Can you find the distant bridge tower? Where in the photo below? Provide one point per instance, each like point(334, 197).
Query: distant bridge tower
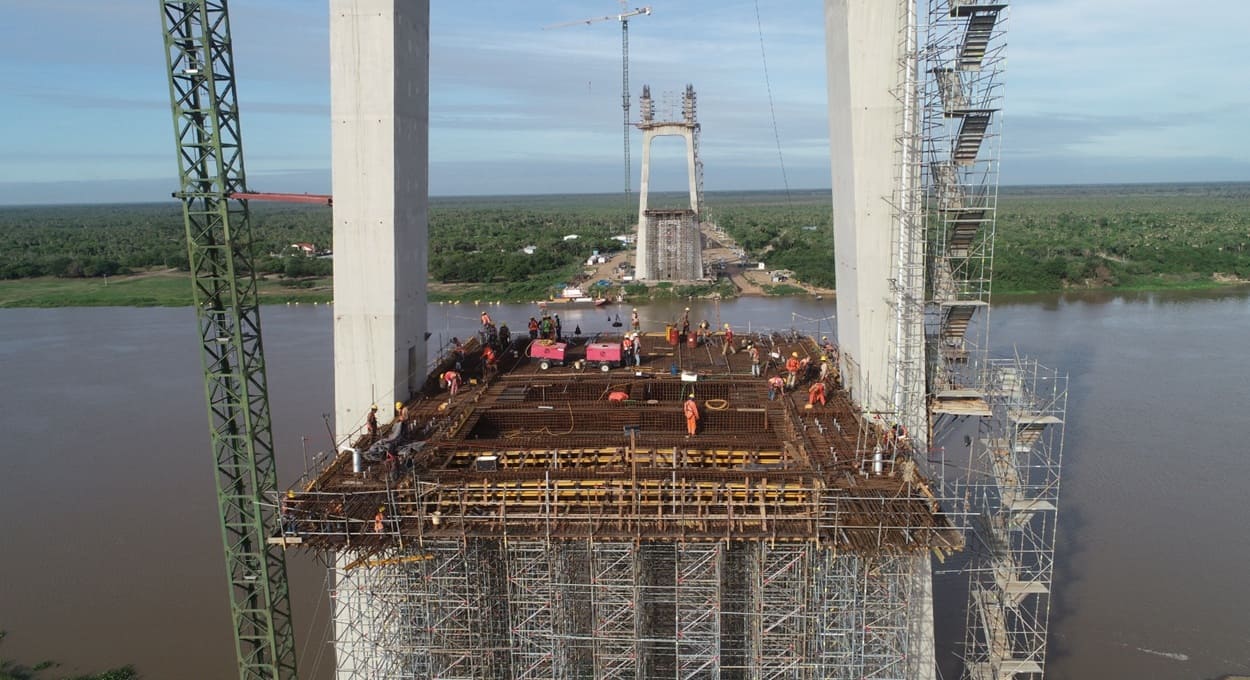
point(669, 243)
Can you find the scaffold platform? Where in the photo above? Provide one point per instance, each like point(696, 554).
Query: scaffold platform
point(526, 453)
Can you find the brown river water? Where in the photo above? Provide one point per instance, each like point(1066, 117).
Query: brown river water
point(110, 551)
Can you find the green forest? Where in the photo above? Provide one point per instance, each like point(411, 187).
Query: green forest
point(1048, 239)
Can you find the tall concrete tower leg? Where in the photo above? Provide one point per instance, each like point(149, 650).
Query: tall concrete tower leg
point(865, 115)
point(379, 92)
point(379, 107)
point(642, 264)
point(690, 170)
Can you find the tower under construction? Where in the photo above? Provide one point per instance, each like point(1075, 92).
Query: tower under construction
point(670, 243)
point(548, 519)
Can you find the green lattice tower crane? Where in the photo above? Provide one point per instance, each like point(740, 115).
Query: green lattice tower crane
point(200, 64)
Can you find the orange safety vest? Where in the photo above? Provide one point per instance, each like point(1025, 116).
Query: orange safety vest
point(792, 365)
point(626, 344)
point(692, 410)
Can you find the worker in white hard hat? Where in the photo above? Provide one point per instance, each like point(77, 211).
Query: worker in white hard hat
point(634, 322)
point(371, 422)
point(728, 347)
point(792, 370)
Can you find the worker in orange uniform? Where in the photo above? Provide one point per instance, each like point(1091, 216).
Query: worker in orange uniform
point(378, 519)
point(371, 421)
point(452, 380)
point(627, 350)
point(692, 415)
point(754, 353)
point(729, 342)
point(490, 359)
point(816, 393)
point(792, 370)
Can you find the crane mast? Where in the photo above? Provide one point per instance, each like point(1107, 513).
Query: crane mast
point(623, 17)
point(200, 65)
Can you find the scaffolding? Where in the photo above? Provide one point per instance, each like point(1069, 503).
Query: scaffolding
point(1015, 406)
point(1015, 486)
point(674, 244)
point(589, 609)
point(964, 55)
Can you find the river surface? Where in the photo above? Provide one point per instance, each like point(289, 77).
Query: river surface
point(110, 551)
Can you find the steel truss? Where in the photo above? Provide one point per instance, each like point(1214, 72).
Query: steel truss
point(200, 66)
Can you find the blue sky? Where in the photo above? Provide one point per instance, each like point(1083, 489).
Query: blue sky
point(1105, 91)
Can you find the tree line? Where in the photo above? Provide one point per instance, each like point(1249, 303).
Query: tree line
point(1047, 238)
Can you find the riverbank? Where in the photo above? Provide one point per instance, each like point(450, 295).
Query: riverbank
point(172, 288)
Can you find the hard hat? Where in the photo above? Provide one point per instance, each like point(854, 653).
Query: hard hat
point(824, 358)
point(635, 309)
point(794, 354)
point(399, 405)
point(824, 337)
point(373, 408)
point(726, 325)
point(290, 494)
point(687, 309)
point(690, 396)
point(381, 508)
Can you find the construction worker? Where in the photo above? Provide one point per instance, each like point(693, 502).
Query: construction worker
point(775, 386)
point(452, 380)
point(824, 368)
point(371, 421)
point(691, 410)
point(685, 324)
point(287, 510)
point(635, 323)
point(728, 348)
point(754, 353)
point(627, 350)
point(792, 370)
point(704, 326)
point(505, 336)
point(457, 352)
point(545, 328)
point(816, 393)
point(533, 328)
point(555, 326)
point(637, 349)
point(489, 361)
point(378, 518)
point(486, 321)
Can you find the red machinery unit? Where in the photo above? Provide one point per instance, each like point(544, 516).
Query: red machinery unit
point(548, 353)
point(606, 354)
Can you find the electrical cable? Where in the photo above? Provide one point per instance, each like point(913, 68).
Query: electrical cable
point(772, 111)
